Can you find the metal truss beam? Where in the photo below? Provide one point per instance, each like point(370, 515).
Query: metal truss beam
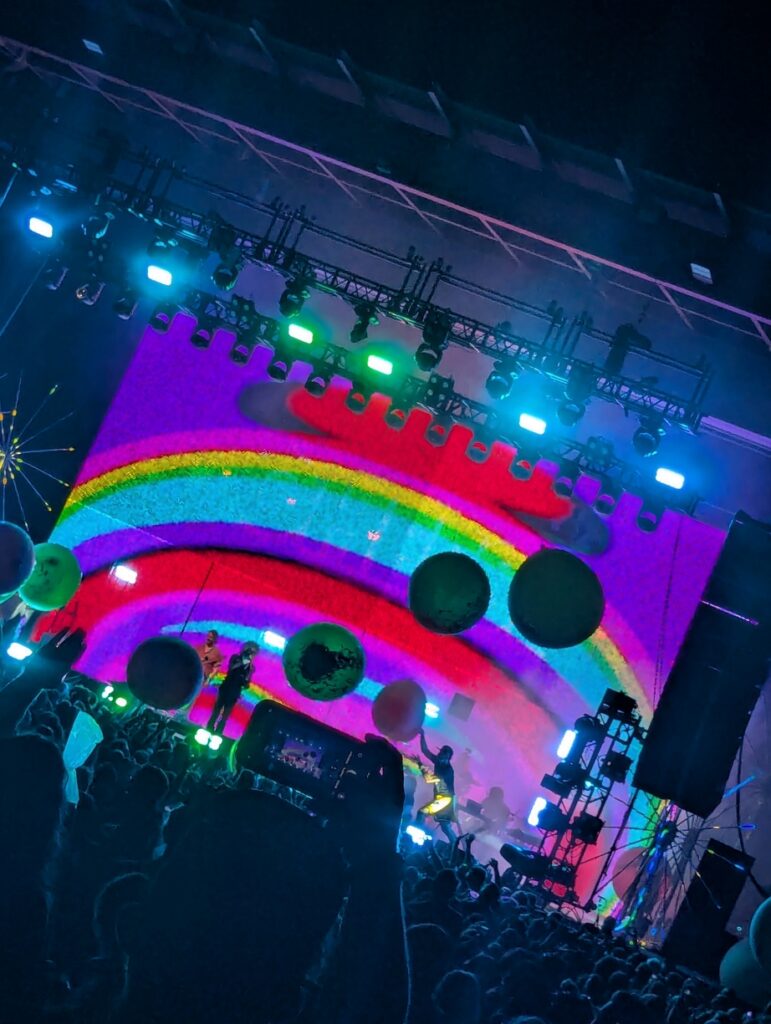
point(351, 179)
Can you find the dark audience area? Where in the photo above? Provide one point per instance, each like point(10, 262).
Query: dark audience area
point(177, 890)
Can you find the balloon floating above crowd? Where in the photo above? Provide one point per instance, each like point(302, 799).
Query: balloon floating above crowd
point(164, 672)
point(323, 661)
point(449, 593)
point(741, 972)
point(760, 935)
point(555, 599)
point(17, 558)
point(54, 579)
point(399, 709)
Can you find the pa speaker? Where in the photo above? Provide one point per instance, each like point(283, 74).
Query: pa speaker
point(716, 679)
point(697, 936)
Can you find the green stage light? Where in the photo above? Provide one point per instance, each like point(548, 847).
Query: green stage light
point(121, 702)
point(380, 365)
point(202, 736)
point(300, 333)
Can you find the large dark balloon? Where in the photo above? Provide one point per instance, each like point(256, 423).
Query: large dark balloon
point(399, 709)
point(555, 599)
point(742, 973)
point(164, 672)
point(54, 579)
point(449, 592)
point(324, 661)
point(17, 558)
point(760, 935)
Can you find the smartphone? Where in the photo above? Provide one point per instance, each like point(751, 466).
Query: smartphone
point(325, 765)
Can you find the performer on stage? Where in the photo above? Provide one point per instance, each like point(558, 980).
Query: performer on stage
point(210, 655)
point(442, 807)
point(235, 682)
point(495, 812)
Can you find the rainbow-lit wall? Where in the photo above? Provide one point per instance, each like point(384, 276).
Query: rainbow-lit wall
point(249, 505)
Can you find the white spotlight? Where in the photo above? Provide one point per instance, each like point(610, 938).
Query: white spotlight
point(566, 744)
point(18, 651)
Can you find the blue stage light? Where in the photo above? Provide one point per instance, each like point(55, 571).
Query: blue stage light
point(160, 275)
point(670, 478)
point(39, 226)
point(532, 423)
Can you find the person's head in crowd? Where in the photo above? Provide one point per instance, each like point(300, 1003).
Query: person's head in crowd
point(212, 637)
point(445, 885)
point(111, 903)
point(239, 909)
point(445, 754)
point(457, 999)
point(32, 778)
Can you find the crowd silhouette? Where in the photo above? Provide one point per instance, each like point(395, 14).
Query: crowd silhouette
point(177, 890)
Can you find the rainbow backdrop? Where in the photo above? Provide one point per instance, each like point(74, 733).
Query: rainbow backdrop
point(254, 506)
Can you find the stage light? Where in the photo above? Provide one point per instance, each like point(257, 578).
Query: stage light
point(522, 465)
point(607, 497)
point(417, 835)
point(121, 702)
point(580, 383)
point(615, 766)
point(124, 573)
point(701, 274)
point(647, 437)
point(648, 518)
point(569, 413)
point(535, 811)
point(293, 298)
point(318, 382)
point(566, 479)
point(366, 317)
point(98, 224)
point(432, 348)
point(107, 691)
point(587, 827)
point(432, 710)
point(532, 423)
point(41, 227)
point(126, 304)
point(599, 454)
point(619, 706)
point(300, 333)
point(89, 292)
point(204, 332)
point(202, 736)
point(565, 778)
point(396, 416)
point(439, 429)
point(242, 349)
point(500, 381)
point(225, 274)
point(670, 478)
point(162, 316)
point(358, 398)
point(18, 651)
point(566, 743)
point(625, 337)
point(547, 816)
point(160, 275)
point(93, 47)
point(380, 365)
point(273, 641)
point(54, 275)
point(215, 742)
point(279, 366)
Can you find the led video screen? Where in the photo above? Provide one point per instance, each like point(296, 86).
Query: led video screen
point(255, 508)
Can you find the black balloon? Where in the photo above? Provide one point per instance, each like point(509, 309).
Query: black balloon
point(164, 672)
point(449, 592)
point(555, 599)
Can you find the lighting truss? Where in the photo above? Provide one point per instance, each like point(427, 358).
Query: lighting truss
point(566, 850)
point(437, 395)
point(411, 301)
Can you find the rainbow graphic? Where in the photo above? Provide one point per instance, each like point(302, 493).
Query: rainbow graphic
point(254, 506)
